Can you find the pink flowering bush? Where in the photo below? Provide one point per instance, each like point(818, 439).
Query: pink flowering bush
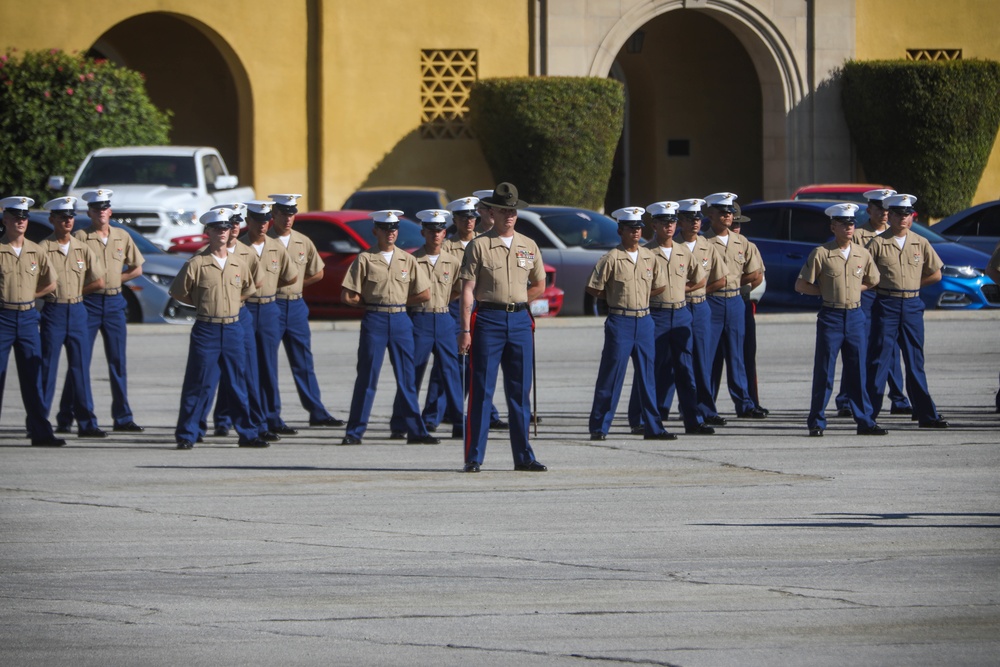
point(56, 107)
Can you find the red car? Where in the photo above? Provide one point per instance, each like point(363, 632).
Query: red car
point(854, 192)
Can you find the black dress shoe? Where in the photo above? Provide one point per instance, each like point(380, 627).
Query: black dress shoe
point(185, 444)
point(458, 433)
point(901, 411)
point(846, 413)
point(50, 441)
point(535, 419)
point(637, 430)
point(329, 422)
point(598, 436)
point(934, 423)
point(815, 432)
point(534, 466)
point(498, 424)
point(423, 440)
point(130, 427)
point(472, 466)
point(659, 436)
point(200, 439)
point(874, 430)
point(285, 429)
point(752, 413)
point(254, 442)
point(270, 436)
point(716, 420)
point(64, 429)
point(430, 427)
point(91, 433)
point(221, 432)
point(763, 409)
point(397, 435)
point(700, 429)
point(350, 440)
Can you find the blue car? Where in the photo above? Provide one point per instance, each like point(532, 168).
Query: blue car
point(786, 231)
point(978, 226)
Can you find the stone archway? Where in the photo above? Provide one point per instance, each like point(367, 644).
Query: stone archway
point(193, 72)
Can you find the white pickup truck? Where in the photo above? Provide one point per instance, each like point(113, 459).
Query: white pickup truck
point(158, 190)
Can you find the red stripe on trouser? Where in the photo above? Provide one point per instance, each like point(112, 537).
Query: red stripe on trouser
point(471, 374)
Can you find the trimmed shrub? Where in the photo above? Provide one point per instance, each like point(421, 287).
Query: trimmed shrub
point(56, 107)
point(552, 137)
point(924, 127)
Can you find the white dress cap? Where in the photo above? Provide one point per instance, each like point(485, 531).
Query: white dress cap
point(98, 196)
point(217, 217)
point(60, 204)
point(879, 194)
point(721, 199)
point(690, 205)
point(238, 208)
point(18, 202)
point(845, 210)
point(386, 217)
point(465, 205)
point(482, 194)
point(629, 214)
point(259, 206)
point(285, 200)
point(663, 208)
point(434, 216)
point(899, 201)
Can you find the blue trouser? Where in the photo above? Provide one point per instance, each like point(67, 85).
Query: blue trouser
point(899, 321)
point(293, 323)
point(749, 357)
point(19, 329)
point(626, 338)
point(673, 359)
point(703, 353)
point(267, 335)
point(105, 313)
point(896, 396)
point(729, 323)
point(437, 333)
point(65, 325)
point(500, 340)
point(436, 403)
point(840, 332)
point(378, 332)
point(225, 407)
point(213, 349)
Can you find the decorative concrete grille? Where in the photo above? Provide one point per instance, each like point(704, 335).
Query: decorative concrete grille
point(934, 54)
point(446, 77)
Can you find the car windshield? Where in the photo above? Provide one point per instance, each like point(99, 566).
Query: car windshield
point(581, 228)
point(856, 197)
point(144, 245)
point(409, 233)
point(175, 171)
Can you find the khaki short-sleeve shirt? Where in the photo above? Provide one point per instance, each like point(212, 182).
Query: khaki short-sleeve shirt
point(903, 268)
point(864, 234)
point(502, 275)
point(215, 292)
point(709, 259)
point(80, 267)
point(454, 247)
point(273, 265)
point(120, 251)
point(22, 276)
point(839, 280)
point(304, 257)
point(382, 283)
point(627, 284)
point(741, 257)
point(680, 269)
point(442, 277)
point(249, 258)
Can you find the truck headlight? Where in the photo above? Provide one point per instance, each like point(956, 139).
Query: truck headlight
point(182, 217)
point(960, 272)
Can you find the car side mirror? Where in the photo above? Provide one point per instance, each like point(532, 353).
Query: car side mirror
point(344, 247)
point(226, 182)
point(57, 183)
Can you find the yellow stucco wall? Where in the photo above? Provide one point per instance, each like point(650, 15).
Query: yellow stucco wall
point(887, 28)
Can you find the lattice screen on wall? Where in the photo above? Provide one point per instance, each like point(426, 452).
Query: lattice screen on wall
point(934, 54)
point(446, 77)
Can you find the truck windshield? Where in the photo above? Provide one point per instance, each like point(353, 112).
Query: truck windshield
point(175, 171)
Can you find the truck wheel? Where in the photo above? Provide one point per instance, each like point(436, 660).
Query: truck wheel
point(133, 311)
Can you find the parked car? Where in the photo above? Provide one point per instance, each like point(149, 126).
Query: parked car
point(147, 296)
point(786, 231)
point(978, 227)
point(840, 191)
point(193, 242)
point(407, 199)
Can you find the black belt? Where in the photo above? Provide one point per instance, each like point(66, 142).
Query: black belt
point(509, 307)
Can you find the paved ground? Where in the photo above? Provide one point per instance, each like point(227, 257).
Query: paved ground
point(758, 546)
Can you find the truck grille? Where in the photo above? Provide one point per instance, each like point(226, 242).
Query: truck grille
point(144, 223)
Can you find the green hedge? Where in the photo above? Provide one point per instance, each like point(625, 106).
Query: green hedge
point(56, 107)
point(924, 127)
point(552, 137)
